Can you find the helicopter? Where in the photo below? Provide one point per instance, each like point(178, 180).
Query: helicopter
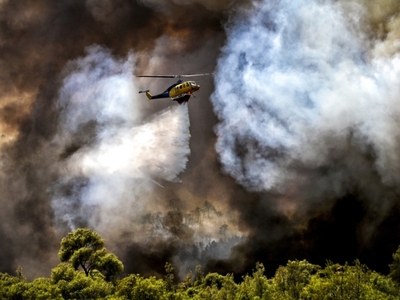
point(180, 91)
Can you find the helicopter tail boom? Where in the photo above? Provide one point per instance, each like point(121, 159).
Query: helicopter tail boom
point(150, 96)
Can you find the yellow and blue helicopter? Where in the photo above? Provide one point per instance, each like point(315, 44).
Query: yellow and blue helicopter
point(180, 91)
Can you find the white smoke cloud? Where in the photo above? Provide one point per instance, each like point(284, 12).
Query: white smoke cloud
point(120, 157)
point(295, 88)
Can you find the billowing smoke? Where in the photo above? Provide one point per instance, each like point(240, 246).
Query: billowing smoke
point(309, 109)
point(308, 78)
point(305, 126)
point(112, 159)
point(80, 147)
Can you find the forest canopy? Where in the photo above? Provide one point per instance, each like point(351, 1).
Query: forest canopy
point(88, 271)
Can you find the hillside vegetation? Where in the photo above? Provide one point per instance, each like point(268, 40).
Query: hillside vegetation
point(88, 271)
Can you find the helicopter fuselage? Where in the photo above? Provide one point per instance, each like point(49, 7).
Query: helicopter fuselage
point(181, 91)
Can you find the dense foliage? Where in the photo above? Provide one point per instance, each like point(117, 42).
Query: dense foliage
point(87, 271)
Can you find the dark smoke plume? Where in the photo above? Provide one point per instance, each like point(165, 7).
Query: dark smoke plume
point(69, 101)
point(305, 108)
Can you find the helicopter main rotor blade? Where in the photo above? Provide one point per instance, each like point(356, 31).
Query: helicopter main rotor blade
point(196, 75)
point(175, 76)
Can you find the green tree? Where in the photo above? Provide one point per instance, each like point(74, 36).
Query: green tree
point(136, 287)
point(42, 289)
point(349, 283)
point(85, 248)
point(74, 284)
point(169, 278)
point(63, 272)
point(187, 282)
point(382, 287)
point(395, 266)
point(199, 276)
point(337, 282)
point(11, 287)
point(125, 286)
point(291, 279)
point(256, 286)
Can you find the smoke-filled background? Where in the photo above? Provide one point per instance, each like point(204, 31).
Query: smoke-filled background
point(291, 150)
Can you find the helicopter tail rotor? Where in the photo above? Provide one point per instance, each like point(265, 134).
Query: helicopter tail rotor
point(150, 96)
